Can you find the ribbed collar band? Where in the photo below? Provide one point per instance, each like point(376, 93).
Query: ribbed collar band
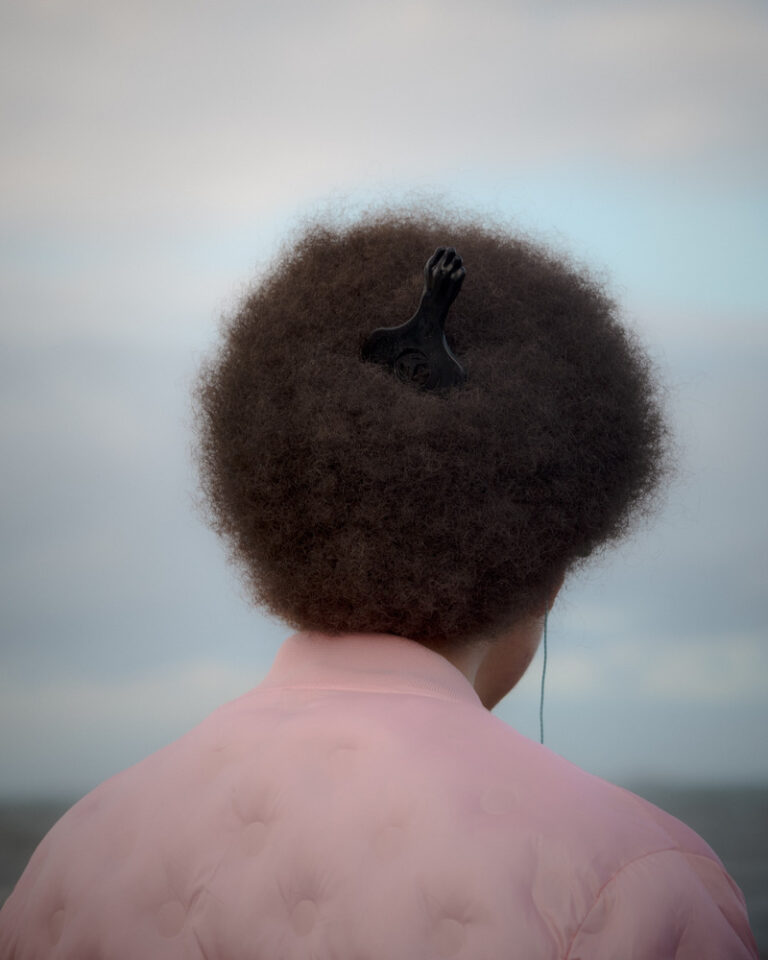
point(375, 662)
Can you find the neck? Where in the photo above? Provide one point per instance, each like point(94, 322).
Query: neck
point(495, 667)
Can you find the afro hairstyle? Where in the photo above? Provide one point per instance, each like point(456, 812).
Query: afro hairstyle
point(353, 502)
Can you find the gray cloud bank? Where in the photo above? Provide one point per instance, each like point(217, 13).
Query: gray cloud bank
point(153, 152)
point(142, 112)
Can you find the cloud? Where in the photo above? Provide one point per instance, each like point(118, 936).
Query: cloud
point(574, 676)
point(59, 734)
point(162, 113)
point(711, 671)
point(722, 670)
point(153, 150)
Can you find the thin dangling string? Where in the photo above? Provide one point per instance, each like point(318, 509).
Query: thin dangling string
point(543, 674)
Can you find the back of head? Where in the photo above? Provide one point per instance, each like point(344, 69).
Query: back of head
point(355, 502)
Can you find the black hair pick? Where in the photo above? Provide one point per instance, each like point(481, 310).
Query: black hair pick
point(417, 351)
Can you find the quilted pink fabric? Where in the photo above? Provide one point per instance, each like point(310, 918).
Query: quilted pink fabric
point(362, 804)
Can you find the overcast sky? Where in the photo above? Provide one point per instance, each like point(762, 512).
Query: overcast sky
point(153, 157)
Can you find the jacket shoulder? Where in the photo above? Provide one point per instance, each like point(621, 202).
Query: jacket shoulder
point(668, 903)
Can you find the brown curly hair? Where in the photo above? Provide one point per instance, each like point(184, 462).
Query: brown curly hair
point(355, 502)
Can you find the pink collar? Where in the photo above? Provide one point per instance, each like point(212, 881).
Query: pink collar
point(374, 662)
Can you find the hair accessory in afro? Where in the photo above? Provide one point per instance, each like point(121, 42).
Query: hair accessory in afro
point(417, 351)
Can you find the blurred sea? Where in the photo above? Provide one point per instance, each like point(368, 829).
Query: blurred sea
point(733, 821)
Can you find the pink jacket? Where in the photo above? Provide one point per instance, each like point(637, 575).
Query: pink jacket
point(362, 804)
